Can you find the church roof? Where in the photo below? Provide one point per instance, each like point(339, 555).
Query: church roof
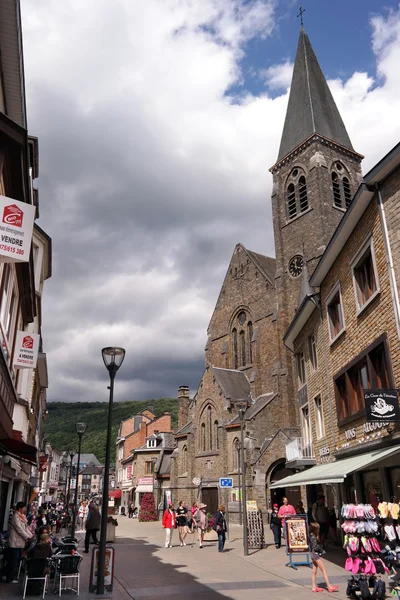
point(266, 264)
point(311, 108)
point(254, 409)
point(185, 429)
point(234, 384)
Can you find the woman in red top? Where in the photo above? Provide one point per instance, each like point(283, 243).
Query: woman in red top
point(169, 524)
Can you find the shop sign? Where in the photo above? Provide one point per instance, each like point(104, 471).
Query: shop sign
point(26, 350)
point(381, 405)
point(296, 534)
point(16, 226)
point(144, 481)
point(350, 434)
point(129, 472)
point(324, 451)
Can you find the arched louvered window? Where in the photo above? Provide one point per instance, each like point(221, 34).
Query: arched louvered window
point(303, 194)
point(203, 437)
point(235, 349)
point(216, 435)
point(291, 201)
point(347, 191)
point(243, 349)
point(250, 337)
point(336, 190)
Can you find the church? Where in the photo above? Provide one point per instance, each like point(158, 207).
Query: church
point(316, 173)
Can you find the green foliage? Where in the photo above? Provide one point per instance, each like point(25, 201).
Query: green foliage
point(147, 510)
point(60, 426)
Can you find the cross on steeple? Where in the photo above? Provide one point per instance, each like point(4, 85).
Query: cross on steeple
point(301, 11)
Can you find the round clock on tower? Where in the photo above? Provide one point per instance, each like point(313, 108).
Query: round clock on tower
point(296, 265)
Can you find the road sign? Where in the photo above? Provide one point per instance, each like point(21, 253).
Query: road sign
point(226, 482)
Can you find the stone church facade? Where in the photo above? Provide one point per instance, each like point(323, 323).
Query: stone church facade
point(315, 176)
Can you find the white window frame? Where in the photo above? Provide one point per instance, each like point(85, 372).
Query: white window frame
point(306, 424)
point(319, 418)
point(314, 364)
point(151, 443)
point(300, 383)
point(335, 290)
point(368, 245)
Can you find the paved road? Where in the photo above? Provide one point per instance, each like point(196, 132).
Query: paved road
point(145, 570)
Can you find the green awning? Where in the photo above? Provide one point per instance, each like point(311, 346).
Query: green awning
point(335, 472)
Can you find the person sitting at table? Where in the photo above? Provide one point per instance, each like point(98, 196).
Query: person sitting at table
point(43, 548)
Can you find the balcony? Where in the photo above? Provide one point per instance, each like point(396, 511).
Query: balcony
point(299, 453)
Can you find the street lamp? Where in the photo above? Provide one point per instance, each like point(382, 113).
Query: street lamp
point(80, 429)
point(71, 455)
point(113, 359)
point(241, 406)
point(237, 444)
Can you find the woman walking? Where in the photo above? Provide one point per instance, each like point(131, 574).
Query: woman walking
point(18, 535)
point(318, 563)
point(169, 524)
point(181, 517)
point(220, 527)
point(201, 522)
point(276, 526)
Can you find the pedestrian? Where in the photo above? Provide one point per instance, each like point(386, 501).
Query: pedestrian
point(181, 517)
point(18, 535)
point(285, 510)
point(92, 525)
point(130, 511)
point(169, 524)
point(201, 522)
point(316, 557)
point(41, 521)
point(220, 527)
point(42, 549)
point(276, 526)
point(82, 514)
point(320, 514)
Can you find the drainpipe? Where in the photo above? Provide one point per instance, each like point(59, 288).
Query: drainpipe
point(389, 261)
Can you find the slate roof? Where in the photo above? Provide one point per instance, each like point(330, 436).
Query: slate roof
point(165, 467)
point(234, 384)
point(311, 108)
point(185, 429)
point(91, 470)
point(259, 404)
point(266, 264)
point(86, 459)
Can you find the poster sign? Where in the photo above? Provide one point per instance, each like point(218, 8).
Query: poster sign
point(16, 226)
point(251, 505)
point(108, 569)
point(296, 530)
point(26, 350)
point(381, 405)
point(236, 495)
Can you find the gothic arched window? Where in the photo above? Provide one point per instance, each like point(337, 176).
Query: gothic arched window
point(235, 348)
point(203, 437)
point(210, 430)
point(250, 337)
point(216, 435)
point(340, 187)
point(243, 349)
point(184, 459)
point(235, 454)
point(297, 198)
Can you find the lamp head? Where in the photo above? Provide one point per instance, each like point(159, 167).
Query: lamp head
point(241, 407)
point(80, 428)
point(113, 358)
point(71, 454)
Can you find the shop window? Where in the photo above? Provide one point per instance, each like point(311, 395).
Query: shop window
point(335, 315)
point(301, 368)
point(369, 372)
point(312, 349)
point(365, 277)
point(319, 418)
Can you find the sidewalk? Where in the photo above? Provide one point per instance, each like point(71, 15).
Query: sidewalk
point(144, 569)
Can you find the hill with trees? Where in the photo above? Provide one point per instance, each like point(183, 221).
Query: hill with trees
point(62, 416)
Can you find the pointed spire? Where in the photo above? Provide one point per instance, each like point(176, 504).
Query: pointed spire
point(305, 288)
point(311, 108)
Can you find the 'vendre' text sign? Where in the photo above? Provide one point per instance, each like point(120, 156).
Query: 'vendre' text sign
point(16, 226)
point(26, 350)
point(381, 405)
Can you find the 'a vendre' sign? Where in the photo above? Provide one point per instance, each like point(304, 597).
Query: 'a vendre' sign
point(26, 350)
point(16, 226)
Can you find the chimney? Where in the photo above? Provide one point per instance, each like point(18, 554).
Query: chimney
point(183, 405)
point(156, 432)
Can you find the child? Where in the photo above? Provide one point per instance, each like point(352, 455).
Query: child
point(315, 554)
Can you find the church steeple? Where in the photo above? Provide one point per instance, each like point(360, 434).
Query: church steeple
point(311, 108)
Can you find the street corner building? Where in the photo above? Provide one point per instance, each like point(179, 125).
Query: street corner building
point(25, 264)
point(300, 336)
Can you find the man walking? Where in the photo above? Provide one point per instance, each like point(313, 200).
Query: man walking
point(92, 525)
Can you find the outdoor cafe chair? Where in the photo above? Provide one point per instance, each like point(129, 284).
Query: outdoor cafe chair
point(36, 569)
point(67, 568)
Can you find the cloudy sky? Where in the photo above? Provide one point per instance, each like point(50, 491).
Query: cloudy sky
point(157, 123)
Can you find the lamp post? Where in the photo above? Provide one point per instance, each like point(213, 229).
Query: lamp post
point(113, 359)
point(239, 483)
point(71, 455)
point(80, 430)
point(241, 406)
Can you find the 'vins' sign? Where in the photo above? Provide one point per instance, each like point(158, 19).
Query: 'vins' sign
point(381, 405)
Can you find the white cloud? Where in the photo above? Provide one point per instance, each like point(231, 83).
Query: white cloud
point(151, 172)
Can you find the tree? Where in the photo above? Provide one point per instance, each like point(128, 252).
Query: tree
point(147, 510)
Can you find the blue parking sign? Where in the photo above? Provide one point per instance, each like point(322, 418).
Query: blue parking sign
point(226, 482)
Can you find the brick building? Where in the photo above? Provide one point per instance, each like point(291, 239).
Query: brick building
point(345, 336)
point(314, 179)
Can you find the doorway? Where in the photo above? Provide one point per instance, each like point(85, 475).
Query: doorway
point(209, 496)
